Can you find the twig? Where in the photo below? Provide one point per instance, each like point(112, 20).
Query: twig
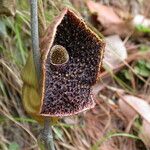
point(47, 131)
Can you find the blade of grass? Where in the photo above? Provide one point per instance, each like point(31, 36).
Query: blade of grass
point(109, 136)
point(2, 119)
point(20, 44)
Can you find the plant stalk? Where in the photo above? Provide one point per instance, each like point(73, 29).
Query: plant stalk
point(48, 135)
point(35, 38)
point(47, 131)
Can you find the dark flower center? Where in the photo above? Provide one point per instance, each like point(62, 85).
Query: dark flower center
point(58, 55)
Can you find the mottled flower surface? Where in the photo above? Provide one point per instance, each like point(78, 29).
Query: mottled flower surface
point(67, 90)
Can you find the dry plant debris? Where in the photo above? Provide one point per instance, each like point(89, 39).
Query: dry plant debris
point(119, 120)
point(8, 7)
point(105, 14)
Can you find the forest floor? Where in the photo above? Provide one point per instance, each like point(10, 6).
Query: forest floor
point(121, 117)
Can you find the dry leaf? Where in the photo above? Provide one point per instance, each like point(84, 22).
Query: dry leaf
point(105, 14)
point(110, 20)
point(71, 120)
point(8, 7)
point(122, 29)
point(127, 110)
point(115, 52)
point(139, 105)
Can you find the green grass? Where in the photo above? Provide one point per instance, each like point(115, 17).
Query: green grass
point(143, 29)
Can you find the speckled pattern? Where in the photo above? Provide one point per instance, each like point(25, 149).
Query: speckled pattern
point(68, 90)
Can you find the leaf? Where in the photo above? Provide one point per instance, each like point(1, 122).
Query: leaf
point(136, 69)
point(142, 28)
point(71, 120)
point(14, 146)
point(139, 105)
point(126, 110)
point(142, 62)
point(105, 14)
point(148, 64)
point(115, 52)
point(142, 70)
point(128, 75)
point(108, 18)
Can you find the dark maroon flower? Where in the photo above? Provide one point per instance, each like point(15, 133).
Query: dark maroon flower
point(71, 58)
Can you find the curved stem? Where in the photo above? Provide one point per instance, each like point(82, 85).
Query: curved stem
point(47, 131)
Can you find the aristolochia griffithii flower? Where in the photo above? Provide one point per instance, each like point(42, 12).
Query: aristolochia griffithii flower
point(71, 55)
point(71, 58)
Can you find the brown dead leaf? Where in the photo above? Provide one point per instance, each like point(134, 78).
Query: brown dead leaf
point(8, 7)
point(122, 29)
point(110, 20)
point(127, 110)
point(139, 105)
point(105, 14)
point(71, 120)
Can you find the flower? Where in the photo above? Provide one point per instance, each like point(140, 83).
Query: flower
point(71, 58)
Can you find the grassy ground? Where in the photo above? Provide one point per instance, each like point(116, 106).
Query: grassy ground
point(104, 127)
